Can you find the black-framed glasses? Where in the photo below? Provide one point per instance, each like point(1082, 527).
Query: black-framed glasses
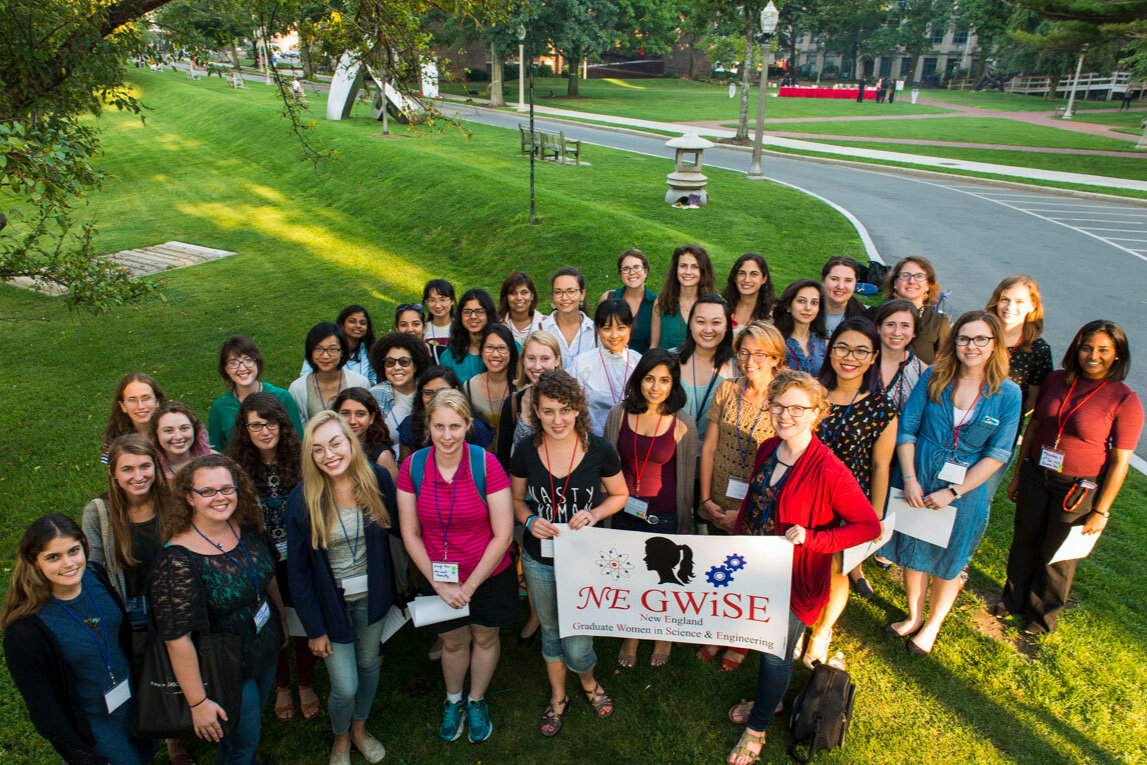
point(497, 350)
point(327, 353)
point(844, 351)
point(226, 491)
point(631, 269)
point(473, 312)
point(757, 356)
point(397, 361)
point(793, 411)
point(916, 277)
point(259, 427)
point(246, 361)
point(569, 293)
point(980, 341)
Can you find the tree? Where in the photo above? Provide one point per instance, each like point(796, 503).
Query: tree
point(919, 19)
point(575, 29)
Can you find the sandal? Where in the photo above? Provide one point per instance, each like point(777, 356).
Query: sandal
point(742, 748)
point(739, 713)
point(708, 652)
point(310, 709)
point(817, 650)
point(727, 662)
point(660, 658)
point(284, 712)
point(552, 718)
point(600, 701)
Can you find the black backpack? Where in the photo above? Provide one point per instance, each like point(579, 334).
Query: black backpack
point(822, 711)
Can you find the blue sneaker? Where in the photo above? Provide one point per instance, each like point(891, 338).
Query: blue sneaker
point(452, 721)
point(480, 725)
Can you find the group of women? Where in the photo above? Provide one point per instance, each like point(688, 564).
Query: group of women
point(442, 459)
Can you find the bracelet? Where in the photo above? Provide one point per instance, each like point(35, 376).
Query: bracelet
point(906, 477)
point(1105, 515)
point(192, 706)
point(530, 520)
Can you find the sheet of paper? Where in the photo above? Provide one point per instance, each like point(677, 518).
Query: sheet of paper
point(393, 621)
point(933, 526)
point(1077, 545)
point(294, 626)
point(431, 609)
point(854, 556)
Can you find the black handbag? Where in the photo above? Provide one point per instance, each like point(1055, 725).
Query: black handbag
point(162, 711)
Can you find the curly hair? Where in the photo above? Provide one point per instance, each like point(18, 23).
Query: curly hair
point(243, 450)
point(419, 356)
point(377, 435)
point(560, 386)
point(794, 378)
point(247, 513)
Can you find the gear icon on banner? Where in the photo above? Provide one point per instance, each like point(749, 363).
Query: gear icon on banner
point(719, 576)
point(735, 562)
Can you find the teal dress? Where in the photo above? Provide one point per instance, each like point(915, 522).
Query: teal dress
point(672, 330)
point(642, 323)
point(466, 368)
point(698, 398)
point(221, 417)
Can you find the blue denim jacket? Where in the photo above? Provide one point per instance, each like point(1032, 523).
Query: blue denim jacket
point(987, 432)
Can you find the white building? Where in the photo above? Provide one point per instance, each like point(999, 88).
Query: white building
point(954, 48)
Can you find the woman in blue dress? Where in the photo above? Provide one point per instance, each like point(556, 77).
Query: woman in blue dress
point(799, 315)
point(956, 430)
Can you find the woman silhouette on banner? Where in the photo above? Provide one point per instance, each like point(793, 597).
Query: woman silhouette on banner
point(663, 555)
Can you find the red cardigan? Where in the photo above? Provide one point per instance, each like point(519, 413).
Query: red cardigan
point(822, 496)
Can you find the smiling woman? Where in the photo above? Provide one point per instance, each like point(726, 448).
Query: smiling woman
point(241, 368)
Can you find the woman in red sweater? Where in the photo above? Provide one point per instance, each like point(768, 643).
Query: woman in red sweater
point(801, 490)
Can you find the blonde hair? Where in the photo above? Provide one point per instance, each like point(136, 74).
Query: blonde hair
point(794, 378)
point(947, 365)
point(766, 335)
point(159, 494)
point(1033, 322)
point(521, 379)
point(318, 494)
point(453, 400)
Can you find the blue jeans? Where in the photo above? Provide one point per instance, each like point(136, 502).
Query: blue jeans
point(353, 669)
point(577, 651)
point(773, 679)
point(239, 747)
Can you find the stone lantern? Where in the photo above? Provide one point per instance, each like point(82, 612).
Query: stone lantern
point(686, 178)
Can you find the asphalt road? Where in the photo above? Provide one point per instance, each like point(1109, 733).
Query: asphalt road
point(975, 234)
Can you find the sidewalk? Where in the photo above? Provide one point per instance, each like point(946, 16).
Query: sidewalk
point(918, 160)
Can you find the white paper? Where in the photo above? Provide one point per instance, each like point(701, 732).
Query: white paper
point(1077, 545)
point(115, 698)
point(294, 626)
point(431, 609)
point(854, 556)
point(393, 621)
point(736, 489)
point(934, 526)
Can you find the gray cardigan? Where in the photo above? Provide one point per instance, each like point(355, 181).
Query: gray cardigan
point(98, 529)
point(686, 460)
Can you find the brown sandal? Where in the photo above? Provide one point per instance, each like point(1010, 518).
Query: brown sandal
point(310, 709)
point(284, 712)
point(742, 748)
point(600, 701)
point(552, 718)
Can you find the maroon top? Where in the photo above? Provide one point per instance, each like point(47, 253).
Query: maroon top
point(1110, 419)
point(658, 474)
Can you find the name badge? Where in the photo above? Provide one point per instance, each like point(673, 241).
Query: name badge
point(353, 585)
point(1052, 459)
point(953, 472)
point(119, 693)
point(445, 572)
point(262, 615)
point(281, 546)
point(736, 489)
point(547, 547)
point(638, 508)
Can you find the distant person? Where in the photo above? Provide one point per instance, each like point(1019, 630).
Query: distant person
point(860, 90)
point(881, 89)
point(633, 267)
point(891, 90)
point(1128, 95)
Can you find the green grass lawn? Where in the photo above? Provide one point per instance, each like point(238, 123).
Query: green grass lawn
point(678, 100)
point(1125, 122)
point(1008, 102)
point(967, 129)
point(217, 167)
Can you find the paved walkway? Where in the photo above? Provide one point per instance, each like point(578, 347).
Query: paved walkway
point(960, 144)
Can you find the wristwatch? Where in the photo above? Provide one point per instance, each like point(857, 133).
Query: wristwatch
point(954, 490)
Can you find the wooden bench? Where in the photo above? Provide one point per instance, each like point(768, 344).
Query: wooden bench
point(543, 143)
point(236, 81)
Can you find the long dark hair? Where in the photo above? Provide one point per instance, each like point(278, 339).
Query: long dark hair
point(503, 333)
point(28, 590)
point(670, 298)
point(784, 320)
point(459, 346)
point(1122, 364)
point(119, 422)
point(634, 401)
point(367, 341)
point(872, 382)
point(377, 436)
point(512, 281)
point(663, 555)
point(763, 310)
point(242, 449)
point(724, 350)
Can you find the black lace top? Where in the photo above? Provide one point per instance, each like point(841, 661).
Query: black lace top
point(190, 591)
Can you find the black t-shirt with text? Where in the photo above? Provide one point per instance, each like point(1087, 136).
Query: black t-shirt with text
point(583, 492)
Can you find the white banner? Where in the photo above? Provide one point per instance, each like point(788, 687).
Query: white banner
point(711, 590)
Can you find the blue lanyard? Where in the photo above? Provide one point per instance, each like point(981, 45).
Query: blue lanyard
point(703, 399)
point(445, 526)
point(737, 430)
point(844, 417)
point(767, 512)
point(106, 648)
point(155, 546)
point(357, 534)
point(252, 573)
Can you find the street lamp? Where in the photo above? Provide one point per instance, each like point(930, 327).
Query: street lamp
point(1069, 112)
point(769, 18)
point(521, 63)
point(522, 39)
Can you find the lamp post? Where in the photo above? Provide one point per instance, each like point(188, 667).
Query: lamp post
point(769, 18)
point(521, 63)
point(523, 38)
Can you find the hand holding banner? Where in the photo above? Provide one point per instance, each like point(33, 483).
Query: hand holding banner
point(638, 585)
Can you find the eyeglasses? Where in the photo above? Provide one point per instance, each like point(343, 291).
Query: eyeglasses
point(226, 491)
point(473, 312)
point(134, 401)
point(844, 351)
point(631, 269)
point(258, 427)
point(428, 393)
point(397, 361)
point(497, 350)
point(570, 293)
point(246, 361)
point(757, 356)
point(920, 276)
point(980, 341)
point(794, 411)
point(329, 352)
